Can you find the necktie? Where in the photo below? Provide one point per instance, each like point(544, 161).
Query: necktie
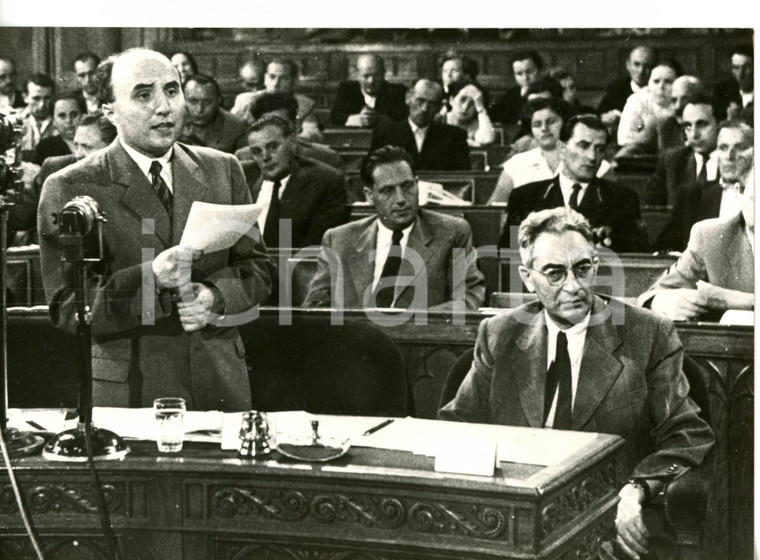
point(162, 190)
point(386, 286)
point(419, 139)
point(574, 196)
point(559, 380)
point(702, 176)
point(272, 224)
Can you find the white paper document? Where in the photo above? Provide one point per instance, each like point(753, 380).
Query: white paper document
point(215, 227)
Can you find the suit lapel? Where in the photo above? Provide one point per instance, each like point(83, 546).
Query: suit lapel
point(187, 189)
point(291, 195)
point(551, 197)
point(420, 238)
point(599, 367)
point(410, 140)
point(362, 270)
point(139, 196)
point(592, 199)
point(529, 365)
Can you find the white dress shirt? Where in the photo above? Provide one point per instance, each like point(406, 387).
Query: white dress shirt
point(566, 186)
point(730, 200)
point(419, 134)
point(265, 198)
point(370, 100)
point(383, 247)
point(576, 339)
point(712, 165)
point(747, 97)
point(144, 162)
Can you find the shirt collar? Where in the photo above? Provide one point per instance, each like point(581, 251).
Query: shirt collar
point(143, 161)
point(270, 184)
point(416, 128)
point(385, 234)
point(566, 182)
point(576, 329)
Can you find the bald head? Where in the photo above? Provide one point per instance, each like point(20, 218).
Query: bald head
point(684, 89)
point(370, 69)
point(640, 62)
point(424, 101)
point(252, 74)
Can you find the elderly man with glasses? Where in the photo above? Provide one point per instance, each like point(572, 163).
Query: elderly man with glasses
point(573, 361)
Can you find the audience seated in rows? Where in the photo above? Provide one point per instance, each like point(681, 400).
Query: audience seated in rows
point(527, 67)
point(370, 99)
point(670, 131)
point(37, 116)
point(638, 66)
point(544, 118)
point(458, 70)
point(716, 272)
point(285, 106)
point(647, 108)
point(85, 69)
point(206, 123)
point(612, 209)
point(735, 96)
point(68, 109)
point(468, 112)
point(422, 259)
point(682, 169)
point(433, 146)
point(719, 198)
point(310, 194)
point(10, 96)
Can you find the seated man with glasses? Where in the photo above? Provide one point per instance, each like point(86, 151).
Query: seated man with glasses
point(573, 361)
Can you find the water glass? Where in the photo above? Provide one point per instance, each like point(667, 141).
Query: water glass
point(170, 423)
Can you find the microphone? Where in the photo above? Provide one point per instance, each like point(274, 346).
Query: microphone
point(78, 218)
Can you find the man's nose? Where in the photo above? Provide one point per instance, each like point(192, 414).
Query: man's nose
point(162, 103)
point(398, 196)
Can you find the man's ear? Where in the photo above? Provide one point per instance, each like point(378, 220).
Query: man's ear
point(527, 279)
point(107, 110)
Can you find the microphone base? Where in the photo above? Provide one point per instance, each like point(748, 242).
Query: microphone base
point(71, 445)
point(21, 444)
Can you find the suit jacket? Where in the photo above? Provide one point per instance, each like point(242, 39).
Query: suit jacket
point(676, 171)
point(444, 149)
point(139, 350)
point(226, 133)
point(692, 205)
point(433, 238)
point(718, 252)
point(50, 147)
point(669, 135)
point(604, 204)
point(616, 94)
point(506, 108)
point(315, 199)
point(726, 92)
point(391, 102)
point(630, 384)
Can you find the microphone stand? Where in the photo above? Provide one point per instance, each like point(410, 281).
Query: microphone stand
point(18, 443)
point(76, 444)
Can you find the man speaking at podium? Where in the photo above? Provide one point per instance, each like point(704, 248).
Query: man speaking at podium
point(153, 302)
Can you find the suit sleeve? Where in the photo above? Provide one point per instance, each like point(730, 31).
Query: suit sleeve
point(340, 111)
point(610, 100)
point(680, 437)
point(471, 403)
point(246, 281)
point(460, 152)
point(379, 138)
point(629, 234)
point(333, 209)
point(656, 193)
point(465, 281)
point(321, 286)
point(515, 216)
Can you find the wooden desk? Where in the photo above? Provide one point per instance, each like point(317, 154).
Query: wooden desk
point(206, 503)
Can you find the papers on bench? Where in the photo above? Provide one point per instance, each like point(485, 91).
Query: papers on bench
point(738, 317)
point(434, 193)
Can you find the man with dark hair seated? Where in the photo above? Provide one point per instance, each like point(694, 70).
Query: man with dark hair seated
point(369, 99)
point(573, 361)
point(85, 68)
point(68, 109)
point(433, 146)
point(206, 123)
point(527, 67)
point(37, 116)
point(310, 194)
point(612, 209)
point(402, 257)
point(735, 96)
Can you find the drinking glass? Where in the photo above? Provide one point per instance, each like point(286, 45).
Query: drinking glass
point(170, 423)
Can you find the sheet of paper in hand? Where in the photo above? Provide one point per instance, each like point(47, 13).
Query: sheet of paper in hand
point(215, 227)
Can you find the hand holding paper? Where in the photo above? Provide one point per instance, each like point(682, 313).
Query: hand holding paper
point(215, 227)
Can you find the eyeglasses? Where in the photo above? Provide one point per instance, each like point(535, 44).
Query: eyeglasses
point(557, 276)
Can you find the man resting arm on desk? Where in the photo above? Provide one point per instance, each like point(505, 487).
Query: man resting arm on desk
point(573, 361)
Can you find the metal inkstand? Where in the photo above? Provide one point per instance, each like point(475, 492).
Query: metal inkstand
point(11, 189)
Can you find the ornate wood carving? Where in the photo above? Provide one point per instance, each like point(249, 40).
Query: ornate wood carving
point(71, 498)
point(233, 551)
point(586, 547)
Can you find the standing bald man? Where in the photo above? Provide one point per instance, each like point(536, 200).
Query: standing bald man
point(433, 146)
point(161, 313)
point(369, 99)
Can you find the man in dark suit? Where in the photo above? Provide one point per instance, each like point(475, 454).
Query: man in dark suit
point(10, 96)
point(527, 67)
point(161, 313)
point(370, 99)
point(612, 209)
point(308, 193)
point(68, 109)
point(639, 65)
point(403, 257)
point(715, 273)
point(572, 361)
point(735, 96)
point(719, 198)
point(433, 146)
point(206, 123)
point(681, 169)
point(85, 68)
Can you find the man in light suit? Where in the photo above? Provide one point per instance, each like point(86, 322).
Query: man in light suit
point(715, 273)
point(160, 311)
point(574, 361)
point(435, 267)
point(433, 146)
point(371, 99)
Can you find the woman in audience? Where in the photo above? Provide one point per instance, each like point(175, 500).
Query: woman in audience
point(458, 70)
point(570, 91)
point(468, 111)
point(544, 117)
point(647, 108)
point(185, 64)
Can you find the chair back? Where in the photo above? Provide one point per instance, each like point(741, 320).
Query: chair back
point(454, 378)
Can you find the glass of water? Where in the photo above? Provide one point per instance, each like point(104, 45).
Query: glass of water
point(170, 423)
